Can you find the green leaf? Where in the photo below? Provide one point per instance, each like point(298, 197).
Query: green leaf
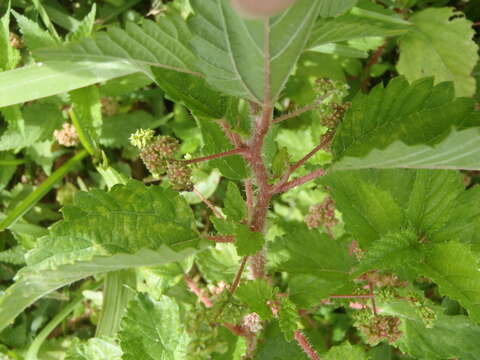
point(218, 263)
point(375, 203)
point(87, 117)
point(96, 349)
point(248, 242)
point(33, 35)
point(166, 47)
point(255, 295)
point(85, 27)
point(231, 49)
point(235, 206)
point(132, 225)
point(9, 57)
point(288, 318)
point(394, 251)
point(460, 150)
point(454, 268)
point(450, 337)
point(351, 26)
point(55, 77)
point(441, 46)
point(419, 113)
point(305, 251)
point(153, 330)
point(38, 123)
point(215, 141)
point(346, 351)
point(368, 209)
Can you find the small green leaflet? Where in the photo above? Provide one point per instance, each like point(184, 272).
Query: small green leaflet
point(255, 295)
point(153, 330)
point(247, 242)
point(235, 207)
point(288, 318)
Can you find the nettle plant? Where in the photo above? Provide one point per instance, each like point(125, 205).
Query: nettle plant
point(285, 214)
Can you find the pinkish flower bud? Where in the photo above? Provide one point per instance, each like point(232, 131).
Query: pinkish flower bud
point(252, 322)
point(67, 136)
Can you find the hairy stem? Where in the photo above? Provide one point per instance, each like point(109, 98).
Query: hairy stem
point(298, 181)
point(306, 346)
point(208, 203)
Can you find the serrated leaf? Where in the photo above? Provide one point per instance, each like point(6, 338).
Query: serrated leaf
point(215, 141)
point(441, 46)
point(305, 251)
point(235, 206)
point(153, 330)
point(450, 337)
point(368, 210)
point(255, 295)
point(288, 318)
point(231, 49)
point(166, 48)
point(132, 225)
point(420, 113)
point(85, 27)
point(454, 268)
point(395, 252)
point(33, 35)
point(55, 77)
point(375, 203)
point(460, 150)
point(9, 57)
point(96, 349)
point(346, 351)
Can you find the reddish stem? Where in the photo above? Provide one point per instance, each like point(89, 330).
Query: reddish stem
point(221, 238)
point(208, 203)
point(374, 306)
point(306, 346)
point(249, 196)
point(238, 276)
point(298, 181)
point(297, 112)
point(216, 156)
point(196, 290)
point(234, 138)
point(324, 142)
